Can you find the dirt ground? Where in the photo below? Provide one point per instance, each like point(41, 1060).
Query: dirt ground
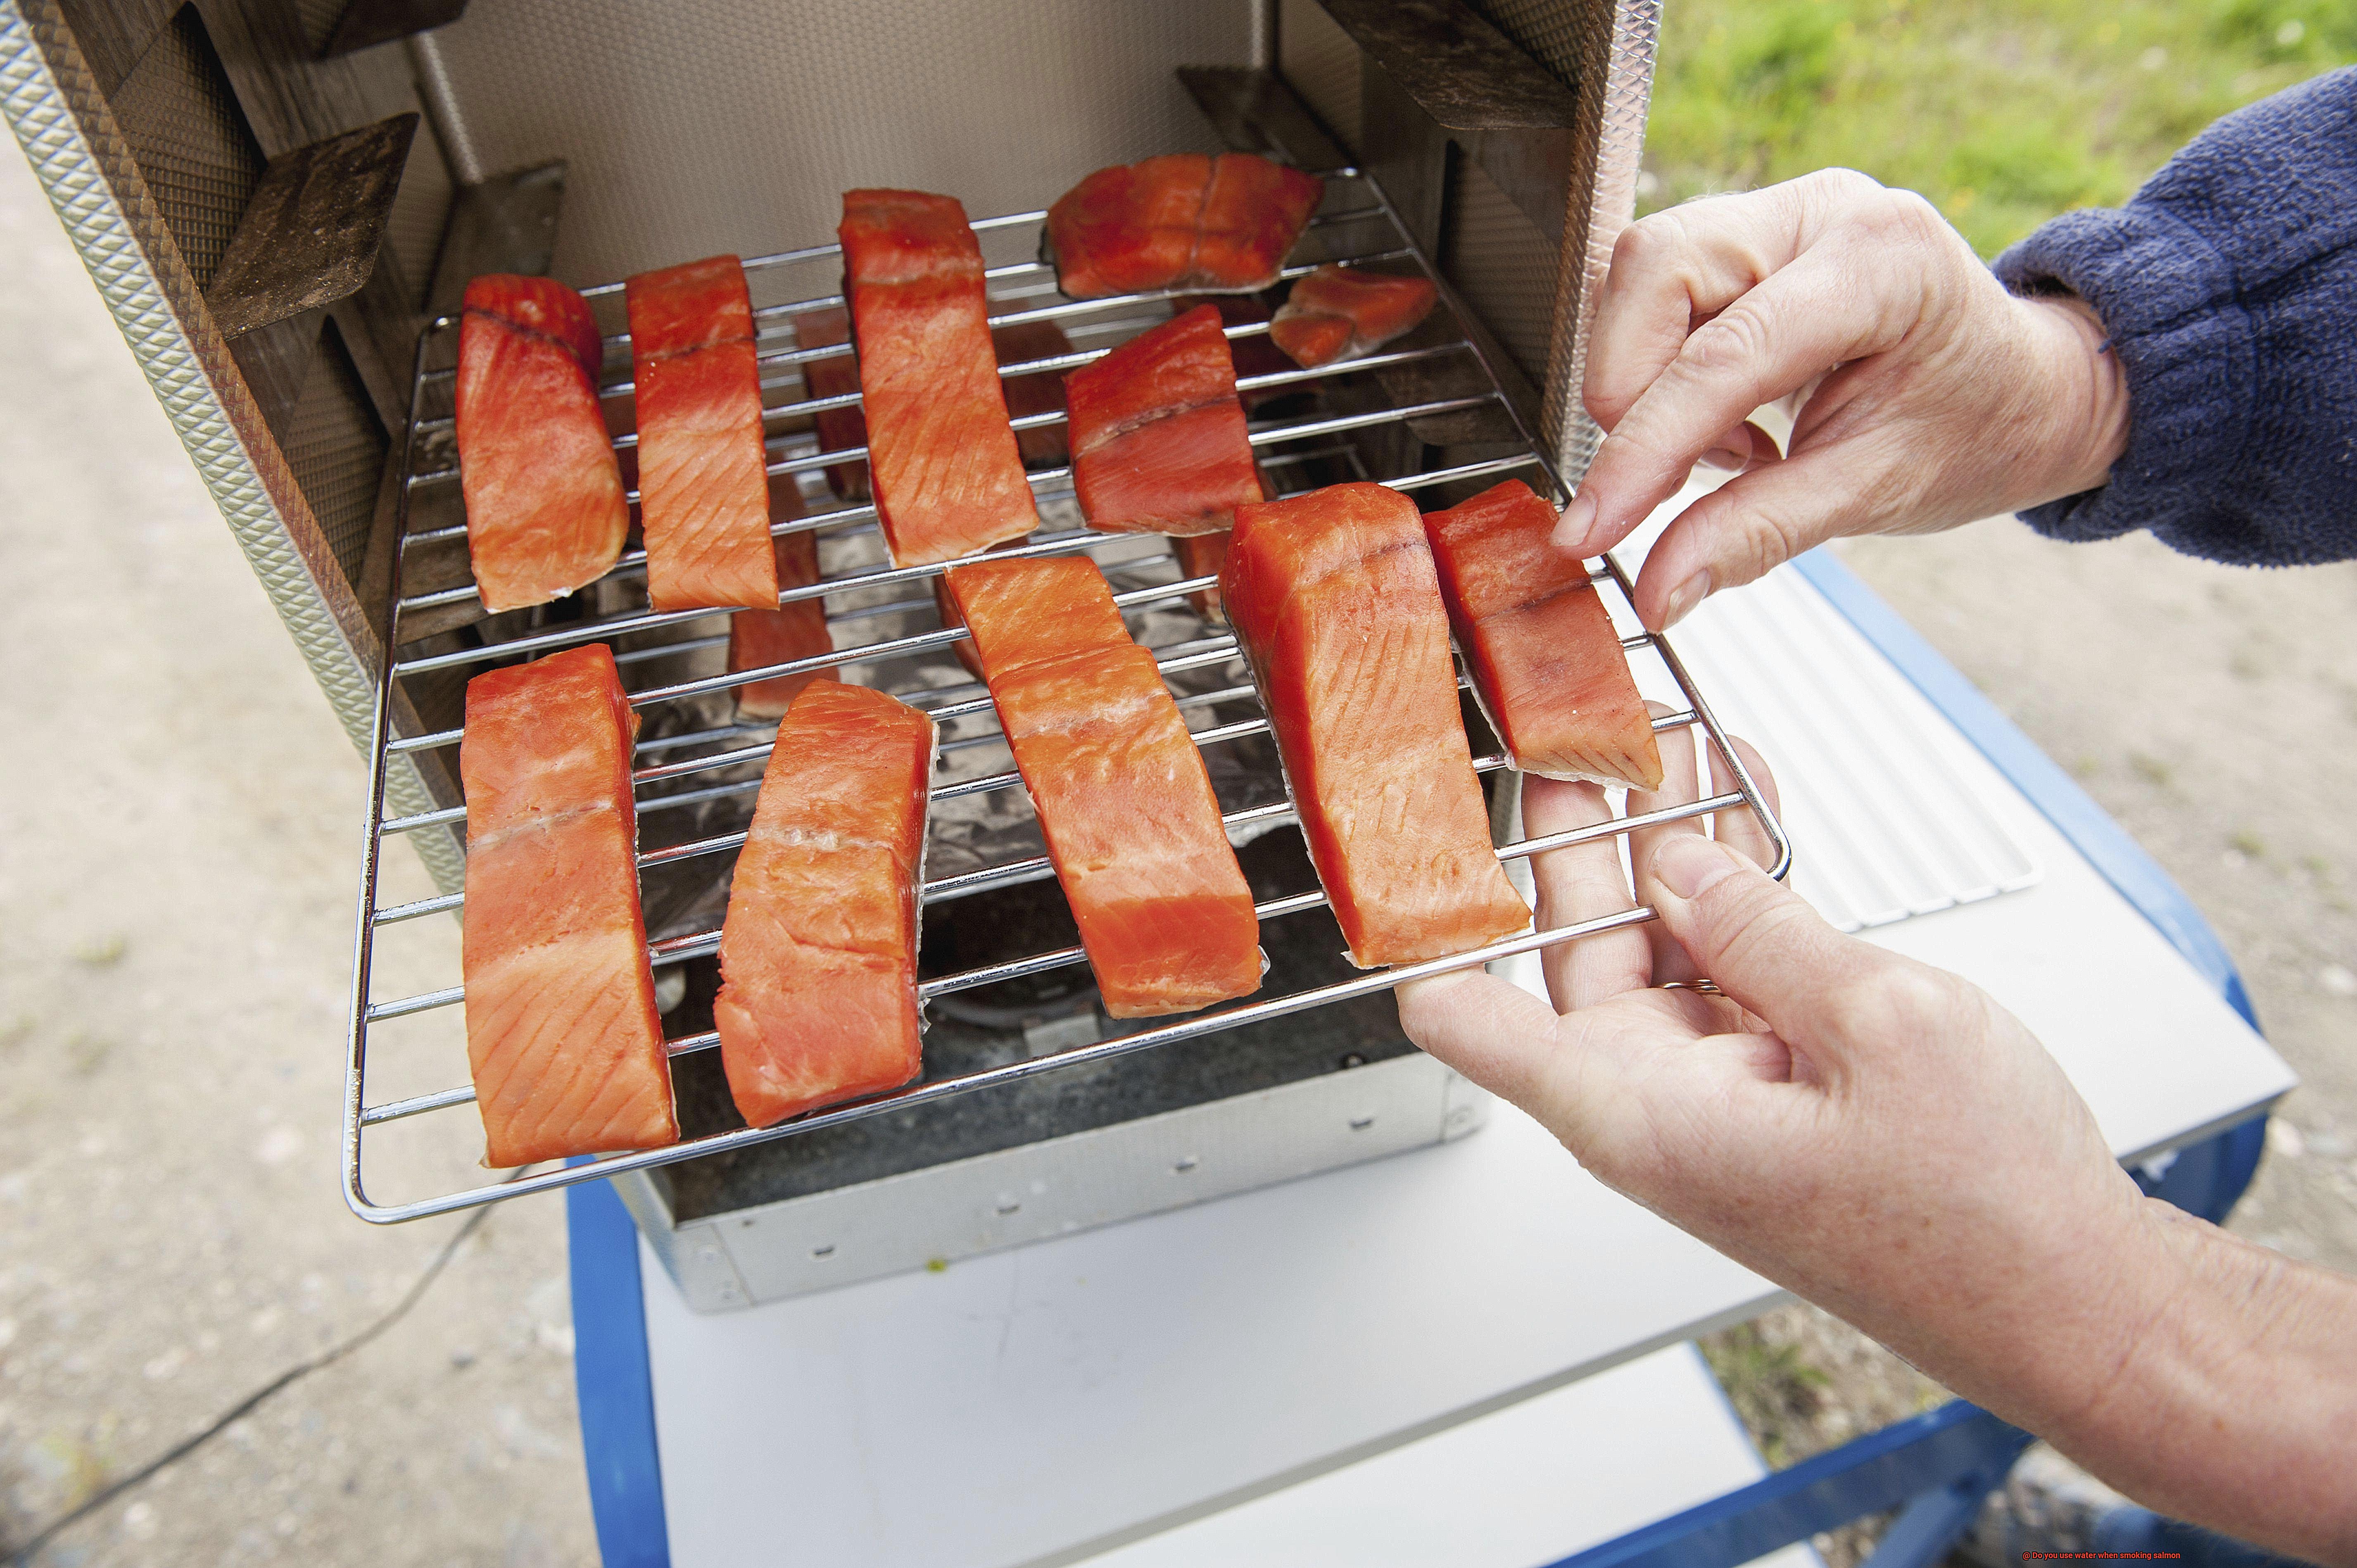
point(178, 841)
point(177, 846)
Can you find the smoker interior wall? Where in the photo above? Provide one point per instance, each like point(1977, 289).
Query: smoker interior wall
point(1502, 264)
point(1320, 63)
point(698, 128)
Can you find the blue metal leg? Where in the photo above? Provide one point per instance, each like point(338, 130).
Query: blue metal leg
point(610, 1379)
point(1934, 1522)
point(1923, 1454)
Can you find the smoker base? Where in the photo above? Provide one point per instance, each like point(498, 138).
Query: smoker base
point(945, 1212)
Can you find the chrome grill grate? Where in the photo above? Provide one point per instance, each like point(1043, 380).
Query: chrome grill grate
point(1359, 226)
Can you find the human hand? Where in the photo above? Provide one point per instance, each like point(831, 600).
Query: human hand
point(1872, 1133)
point(1928, 395)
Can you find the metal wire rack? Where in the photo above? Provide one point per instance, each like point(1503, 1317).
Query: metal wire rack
point(1359, 225)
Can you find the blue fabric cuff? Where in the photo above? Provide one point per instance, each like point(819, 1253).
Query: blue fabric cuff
point(2169, 301)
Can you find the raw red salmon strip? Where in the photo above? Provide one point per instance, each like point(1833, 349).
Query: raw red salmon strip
point(545, 509)
point(1018, 342)
point(1254, 354)
point(561, 1033)
point(704, 488)
point(1334, 597)
point(1214, 225)
point(1341, 313)
point(1164, 914)
point(1041, 392)
point(818, 954)
point(1158, 439)
point(947, 475)
point(1202, 555)
point(839, 429)
point(797, 630)
point(1547, 665)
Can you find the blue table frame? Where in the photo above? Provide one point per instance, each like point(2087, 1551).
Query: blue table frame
point(1938, 1466)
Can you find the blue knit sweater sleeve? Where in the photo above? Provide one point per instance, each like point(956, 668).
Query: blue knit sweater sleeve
point(2228, 287)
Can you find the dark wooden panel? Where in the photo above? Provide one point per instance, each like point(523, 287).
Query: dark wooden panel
point(311, 233)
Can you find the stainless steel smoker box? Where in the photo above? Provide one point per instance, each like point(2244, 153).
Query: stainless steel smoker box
point(282, 198)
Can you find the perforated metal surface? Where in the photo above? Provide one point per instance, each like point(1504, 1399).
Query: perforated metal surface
point(1320, 63)
point(413, 232)
point(1504, 265)
point(1558, 34)
point(190, 140)
point(317, 19)
point(337, 448)
point(715, 125)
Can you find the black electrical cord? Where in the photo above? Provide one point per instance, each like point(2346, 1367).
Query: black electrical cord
point(19, 1556)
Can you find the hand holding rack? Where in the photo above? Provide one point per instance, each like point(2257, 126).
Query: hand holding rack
point(1359, 226)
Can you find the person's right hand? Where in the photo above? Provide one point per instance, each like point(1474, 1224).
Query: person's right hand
point(1929, 397)
point(1884, 1139)
point(1867, 1131)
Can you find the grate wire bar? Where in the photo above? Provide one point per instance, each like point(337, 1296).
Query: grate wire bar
point(741, 746)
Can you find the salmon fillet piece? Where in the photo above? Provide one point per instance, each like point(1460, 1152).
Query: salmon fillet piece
point(947, 475)
point(1018, 342)
point(1252, 213)
point(544, 508)
point(1158, 439)
point(1041, 392)
point(1212, 224)
point(1334, 597)
point(797, 630)
point(1341, 313)
point(1164, 913)
point(839, 429)
point(562, 1034)
point(703, 486)
point(1202, 555)
point(1547, 665)
point(1254, 354)
point(818, 953)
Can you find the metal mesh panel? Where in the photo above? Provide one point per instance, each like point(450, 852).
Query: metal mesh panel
point(1558, 34)
point(1603, 51)
point(1503, 264)
point(190, 140)
point(337, 448)
point(421, 210)
point(711, 125)
point(317, 19)
point(1320, 63)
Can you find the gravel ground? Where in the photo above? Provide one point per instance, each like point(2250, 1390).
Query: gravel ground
point(176, 855)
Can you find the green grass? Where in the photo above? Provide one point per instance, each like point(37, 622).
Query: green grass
point(2004, 113)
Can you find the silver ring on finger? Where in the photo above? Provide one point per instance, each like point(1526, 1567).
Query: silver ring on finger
point(1699, 986)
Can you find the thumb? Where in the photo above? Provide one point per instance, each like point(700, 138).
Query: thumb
point(1761, 944)
point(1745, 527)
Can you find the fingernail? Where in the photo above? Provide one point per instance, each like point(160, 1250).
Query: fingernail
point(1725, 455)
point(1571, 533)
point(1683, 598)
point(1688, 864)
